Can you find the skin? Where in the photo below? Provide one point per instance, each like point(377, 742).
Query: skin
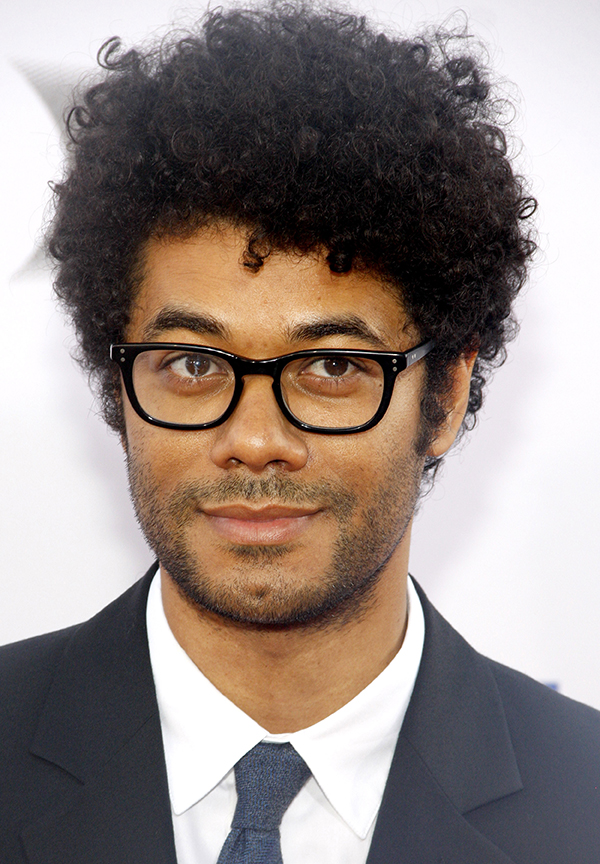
point(344, 503)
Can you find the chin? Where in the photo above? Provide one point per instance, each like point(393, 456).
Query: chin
point(277, 601)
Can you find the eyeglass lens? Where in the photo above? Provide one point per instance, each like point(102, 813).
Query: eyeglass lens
point(192, 388)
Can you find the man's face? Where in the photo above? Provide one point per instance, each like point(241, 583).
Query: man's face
point(256, 520)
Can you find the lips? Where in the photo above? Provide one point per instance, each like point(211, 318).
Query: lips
point(259, 526)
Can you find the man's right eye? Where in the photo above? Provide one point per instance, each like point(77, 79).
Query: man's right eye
point(192, 365)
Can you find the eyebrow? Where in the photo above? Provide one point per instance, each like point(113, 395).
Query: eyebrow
point(203, 324)
point(175, 318)
point(344, 325)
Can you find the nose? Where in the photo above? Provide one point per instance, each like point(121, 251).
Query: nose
point(257, 434)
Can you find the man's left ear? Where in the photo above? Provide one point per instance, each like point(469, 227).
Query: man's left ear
point(456, 404)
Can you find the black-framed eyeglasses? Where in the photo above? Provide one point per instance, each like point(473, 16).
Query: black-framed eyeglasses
point(331, 391)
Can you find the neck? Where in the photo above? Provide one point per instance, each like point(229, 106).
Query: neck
point(287, 679)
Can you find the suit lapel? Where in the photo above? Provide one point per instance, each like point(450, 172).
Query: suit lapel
point(454, 754)
point(418, 824)
point(100, 724)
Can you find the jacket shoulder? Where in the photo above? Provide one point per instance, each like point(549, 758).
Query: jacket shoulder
point(519, 761)
point(28, 667)
point(26, 671)
point(556, 742)
point(547, 720)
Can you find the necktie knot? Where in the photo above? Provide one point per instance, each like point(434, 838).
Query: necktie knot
point(267, 780)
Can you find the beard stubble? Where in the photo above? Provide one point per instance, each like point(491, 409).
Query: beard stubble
point(368, 532)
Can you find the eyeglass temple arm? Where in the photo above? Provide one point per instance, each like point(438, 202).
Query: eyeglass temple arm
point(419, 352)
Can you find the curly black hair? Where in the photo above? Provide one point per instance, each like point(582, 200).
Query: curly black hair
point(309, 130)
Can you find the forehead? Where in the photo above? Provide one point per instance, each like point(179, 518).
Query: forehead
point(204, 277)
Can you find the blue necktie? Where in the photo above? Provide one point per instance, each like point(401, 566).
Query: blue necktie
point(267, 780)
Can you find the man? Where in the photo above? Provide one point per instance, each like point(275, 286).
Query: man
point(289, 245)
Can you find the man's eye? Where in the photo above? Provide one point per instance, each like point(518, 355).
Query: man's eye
point(192, 366)
point(331, 367)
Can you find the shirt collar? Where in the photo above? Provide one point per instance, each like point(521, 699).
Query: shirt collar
point(349, 753)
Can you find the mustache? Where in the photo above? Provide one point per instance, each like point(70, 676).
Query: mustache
point(274, 489)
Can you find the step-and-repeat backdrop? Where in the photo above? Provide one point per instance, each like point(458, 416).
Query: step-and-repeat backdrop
point(507, 543)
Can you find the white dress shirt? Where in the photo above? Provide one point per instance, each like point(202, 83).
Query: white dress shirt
point(349, 753)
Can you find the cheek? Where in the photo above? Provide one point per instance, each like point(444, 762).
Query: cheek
point(167, 455)
point(386, 452)
point(367, 460)
point(402, 421)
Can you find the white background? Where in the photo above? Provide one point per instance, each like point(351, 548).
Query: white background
point(507, 544)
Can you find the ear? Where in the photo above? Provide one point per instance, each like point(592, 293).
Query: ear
point(456, 405)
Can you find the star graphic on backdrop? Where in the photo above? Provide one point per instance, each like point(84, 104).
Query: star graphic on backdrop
point(54, 83)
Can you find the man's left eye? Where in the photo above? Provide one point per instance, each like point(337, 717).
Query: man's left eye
point(330, 367)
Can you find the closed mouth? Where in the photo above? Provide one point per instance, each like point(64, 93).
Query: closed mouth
point(271, 525)
point(259, 514)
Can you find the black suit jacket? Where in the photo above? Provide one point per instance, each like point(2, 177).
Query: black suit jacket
point(490, 767)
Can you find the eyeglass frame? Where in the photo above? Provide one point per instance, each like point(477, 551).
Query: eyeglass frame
point(392, 364)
